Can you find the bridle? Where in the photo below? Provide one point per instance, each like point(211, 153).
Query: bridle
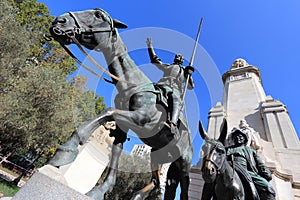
point(79, 30)
point(208, 158)
point(219, 168)
point(93, 29)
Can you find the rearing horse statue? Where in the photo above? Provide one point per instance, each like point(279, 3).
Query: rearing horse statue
point(136, 106)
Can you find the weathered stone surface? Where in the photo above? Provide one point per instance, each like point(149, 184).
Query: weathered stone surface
point(41, 187)
point(245, 98)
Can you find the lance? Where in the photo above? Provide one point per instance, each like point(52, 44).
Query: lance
point(191, 62)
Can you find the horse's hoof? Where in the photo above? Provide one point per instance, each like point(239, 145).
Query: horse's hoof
point(96, 194)
point(137, 197)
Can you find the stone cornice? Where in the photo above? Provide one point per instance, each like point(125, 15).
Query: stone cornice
point(217, 110)
point(286, 176)
point(271, 105)
point(237, 71)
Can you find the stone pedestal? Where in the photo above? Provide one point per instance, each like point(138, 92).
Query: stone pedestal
point(196, 184)
point(83, 174)
point(41, 187)
point(74, 180)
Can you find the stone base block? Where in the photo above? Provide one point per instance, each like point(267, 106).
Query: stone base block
point(40, 187)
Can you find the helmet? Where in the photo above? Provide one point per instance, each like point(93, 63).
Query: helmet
point(178, 59)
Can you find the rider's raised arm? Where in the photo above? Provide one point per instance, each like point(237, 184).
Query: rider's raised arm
point(153, 57)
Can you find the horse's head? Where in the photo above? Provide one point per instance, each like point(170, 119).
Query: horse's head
point(213, 153)
point(92, 28)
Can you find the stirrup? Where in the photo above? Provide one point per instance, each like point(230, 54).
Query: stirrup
point(175, 131)
point(173, 128)
point(164, 124)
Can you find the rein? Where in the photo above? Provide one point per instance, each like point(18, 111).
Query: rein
point(83, 65)
point(96, 64)
point(219, 168)
point(233, 166)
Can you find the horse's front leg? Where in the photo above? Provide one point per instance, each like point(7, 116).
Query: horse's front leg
point(154, 184)
point(67, 152)
point(178, 172)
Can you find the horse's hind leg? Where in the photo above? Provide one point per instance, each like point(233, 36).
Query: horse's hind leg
point(184, 177)
point(178, 172)
point(172, 182)
point(184, 185)
point(98, 191)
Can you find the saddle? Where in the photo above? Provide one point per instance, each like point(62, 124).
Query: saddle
point(162, 100)
point(122, 101)
point(161, 96)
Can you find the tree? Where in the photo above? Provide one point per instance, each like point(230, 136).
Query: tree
point(133, 174)
point(37, 112)
point(38, 107)
point(42, 110)
point(100, 104)
point(35, 18)
point(85, 104)
point(13, 53)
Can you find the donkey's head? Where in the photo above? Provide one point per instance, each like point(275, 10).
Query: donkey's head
point(213, 153)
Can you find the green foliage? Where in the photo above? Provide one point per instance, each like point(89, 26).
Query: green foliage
point(35, 18)
point(12, 47)
point(39, 109)
point(7, 188)
point(99, 105)
point(133, 174)
point(83, 101)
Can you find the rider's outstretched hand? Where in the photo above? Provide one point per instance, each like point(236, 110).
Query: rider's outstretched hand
point(149, 42)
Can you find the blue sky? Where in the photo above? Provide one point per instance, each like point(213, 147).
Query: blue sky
point(265, 33)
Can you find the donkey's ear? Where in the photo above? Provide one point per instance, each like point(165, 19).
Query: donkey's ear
point(202, 131)
point(119, 24)
point(223, 131)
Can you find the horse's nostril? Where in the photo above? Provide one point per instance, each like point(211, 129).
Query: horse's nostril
point(62, 20)
point(57, 31)
point(212, 171)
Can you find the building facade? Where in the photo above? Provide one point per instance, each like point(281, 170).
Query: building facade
point(244, 99)
point(140, 150)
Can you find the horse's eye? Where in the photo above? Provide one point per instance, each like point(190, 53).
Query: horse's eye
point(98, 14)
point(219, 150)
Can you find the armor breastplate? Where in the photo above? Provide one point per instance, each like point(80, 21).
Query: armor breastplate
point(173, 76)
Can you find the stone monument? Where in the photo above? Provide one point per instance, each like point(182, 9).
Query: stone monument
point(244, 99)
